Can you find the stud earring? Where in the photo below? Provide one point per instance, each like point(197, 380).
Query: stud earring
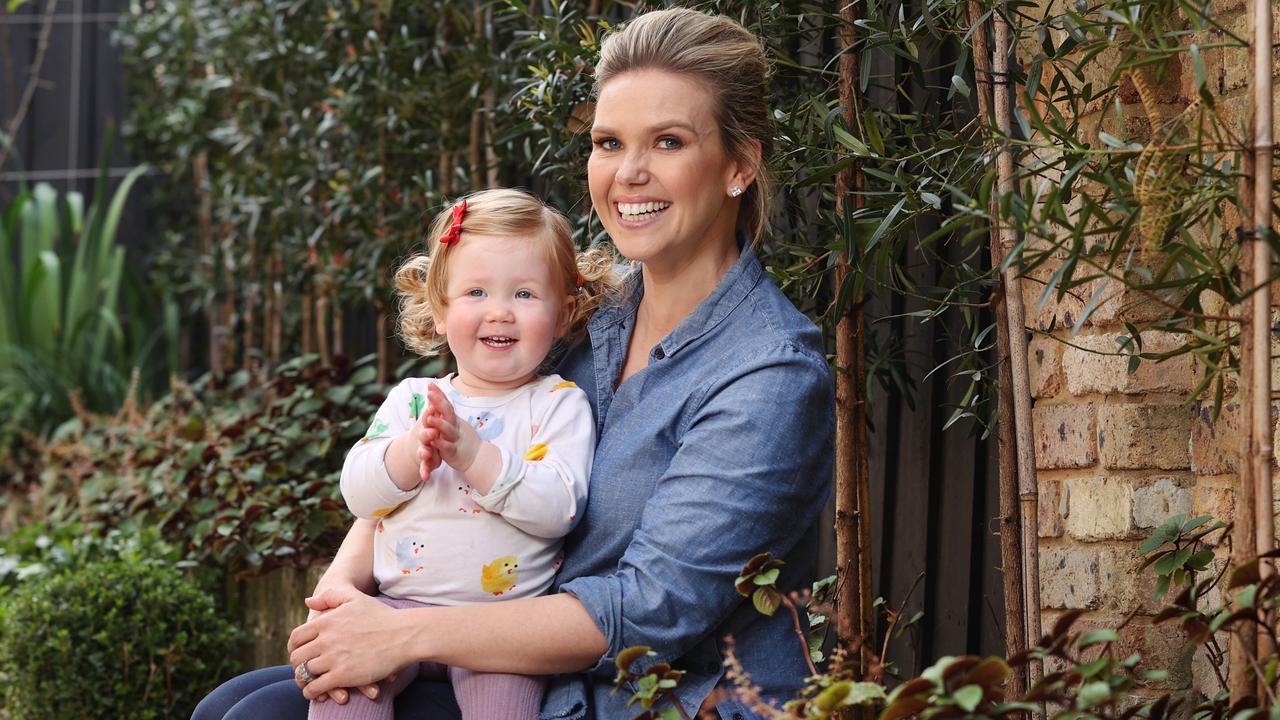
point(735, 191)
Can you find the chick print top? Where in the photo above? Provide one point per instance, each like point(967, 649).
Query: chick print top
point(445, 544)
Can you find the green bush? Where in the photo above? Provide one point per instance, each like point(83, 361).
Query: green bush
point(122, 638)
point(239, 475)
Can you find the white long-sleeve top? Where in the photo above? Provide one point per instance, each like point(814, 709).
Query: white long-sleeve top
point(445, 544)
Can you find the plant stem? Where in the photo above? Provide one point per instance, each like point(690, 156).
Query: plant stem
point(33, 81)
point(1016, 318)
point(804, 641)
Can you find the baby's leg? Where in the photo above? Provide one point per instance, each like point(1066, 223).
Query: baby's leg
point(496, 696)
point(359, 707)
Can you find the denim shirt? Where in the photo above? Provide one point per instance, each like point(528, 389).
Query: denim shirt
point(718, 450)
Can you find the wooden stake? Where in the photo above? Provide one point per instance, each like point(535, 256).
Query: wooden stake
point(1016, 318)
point(854, 620)
point(383, 348)
point(1243, 644)
point(1260, 323)
point(1015, 632)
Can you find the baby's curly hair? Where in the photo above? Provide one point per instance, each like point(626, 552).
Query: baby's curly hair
point(589, 276)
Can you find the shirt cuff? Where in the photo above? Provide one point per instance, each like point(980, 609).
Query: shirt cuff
point(602, 598)
point(508, 477)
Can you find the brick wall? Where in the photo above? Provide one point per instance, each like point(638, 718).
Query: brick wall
point(1119, 453)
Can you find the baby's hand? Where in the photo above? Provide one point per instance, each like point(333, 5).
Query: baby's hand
point(428, 457)
point(456, 442)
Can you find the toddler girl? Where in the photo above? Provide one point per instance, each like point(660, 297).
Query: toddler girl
point(476, 477)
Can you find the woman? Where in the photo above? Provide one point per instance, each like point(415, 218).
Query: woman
point(713, 405)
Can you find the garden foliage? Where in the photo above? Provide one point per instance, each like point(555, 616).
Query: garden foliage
point(122, 637)
point(73, 321)
point(242, 476)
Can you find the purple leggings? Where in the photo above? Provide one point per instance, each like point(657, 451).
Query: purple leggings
point(480, 696)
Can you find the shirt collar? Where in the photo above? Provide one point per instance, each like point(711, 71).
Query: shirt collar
point(736, 283)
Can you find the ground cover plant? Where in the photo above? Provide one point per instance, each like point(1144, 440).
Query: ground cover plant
point(236, 475)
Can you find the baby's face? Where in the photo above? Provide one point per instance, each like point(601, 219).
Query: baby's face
point(505, 308)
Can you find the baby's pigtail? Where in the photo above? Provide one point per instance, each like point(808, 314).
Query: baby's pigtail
point(599, 283)
point(417, 326)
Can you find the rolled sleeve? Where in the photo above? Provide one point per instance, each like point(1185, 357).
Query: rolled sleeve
point(749, 475)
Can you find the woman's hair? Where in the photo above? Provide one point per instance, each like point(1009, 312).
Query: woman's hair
point(422, 281)
point(729, 62)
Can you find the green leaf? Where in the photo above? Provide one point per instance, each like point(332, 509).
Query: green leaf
point(766, 600)
point(968, 697)
point(768, 577)
point(1092, 694)
point(1097, 637)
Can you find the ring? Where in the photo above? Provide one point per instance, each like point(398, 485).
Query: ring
point(304, 673)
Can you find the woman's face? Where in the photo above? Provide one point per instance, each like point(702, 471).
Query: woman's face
point(659, 173)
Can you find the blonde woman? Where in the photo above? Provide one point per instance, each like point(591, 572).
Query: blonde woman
point(713, 405)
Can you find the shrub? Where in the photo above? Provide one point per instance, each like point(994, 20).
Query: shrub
point(239, 475)
point(122, 638)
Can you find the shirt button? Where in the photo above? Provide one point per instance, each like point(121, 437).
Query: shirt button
point(659, 353)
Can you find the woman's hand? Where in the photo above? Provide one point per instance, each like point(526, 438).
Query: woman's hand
point(355, 642)
point(339, 695)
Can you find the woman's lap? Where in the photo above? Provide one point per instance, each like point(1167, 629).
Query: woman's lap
point(271, 694)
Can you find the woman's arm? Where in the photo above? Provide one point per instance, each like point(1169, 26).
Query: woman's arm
point(361, 640)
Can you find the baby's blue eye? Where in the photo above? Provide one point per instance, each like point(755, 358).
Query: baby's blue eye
point(475, 292)
point(524, 294)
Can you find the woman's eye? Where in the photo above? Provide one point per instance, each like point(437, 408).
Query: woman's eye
point(669, 143)
point(607, 143)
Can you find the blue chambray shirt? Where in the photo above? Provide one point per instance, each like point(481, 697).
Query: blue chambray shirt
point(718, 450)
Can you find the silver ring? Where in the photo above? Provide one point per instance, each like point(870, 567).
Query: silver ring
point(304, 673)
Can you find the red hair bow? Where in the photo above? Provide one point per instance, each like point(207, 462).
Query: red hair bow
point(451, 237)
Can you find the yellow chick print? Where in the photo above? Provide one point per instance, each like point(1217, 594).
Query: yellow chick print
point(499, 576)
point(536, 452)
point(563, 385)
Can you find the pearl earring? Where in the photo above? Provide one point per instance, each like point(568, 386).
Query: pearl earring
point(735, 191)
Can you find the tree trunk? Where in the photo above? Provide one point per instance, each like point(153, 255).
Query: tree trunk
point(1015, 635)
point(854, 620)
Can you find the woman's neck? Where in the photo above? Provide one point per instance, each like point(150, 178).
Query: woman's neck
point(671, 293)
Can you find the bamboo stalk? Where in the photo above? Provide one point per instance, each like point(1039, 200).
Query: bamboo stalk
point(1260, 325)
point(1015, 633)
point(1016, 318)
point(854, 619)
point(384, 351)
point(1243, 643)
point(308, 343)
point(277, 309)
point(322, 322)
point(204, 220)
point(338, 344)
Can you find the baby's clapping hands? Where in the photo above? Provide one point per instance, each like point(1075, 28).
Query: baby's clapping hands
point(454, 441)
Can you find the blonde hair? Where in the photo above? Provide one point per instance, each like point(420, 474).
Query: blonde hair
point(422, 281)
point(730, 63)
